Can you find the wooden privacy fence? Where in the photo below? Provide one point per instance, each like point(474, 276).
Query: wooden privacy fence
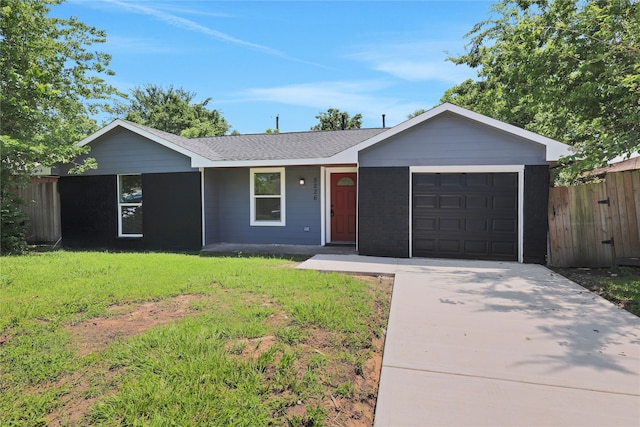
point(41, 203)
point(596, 225)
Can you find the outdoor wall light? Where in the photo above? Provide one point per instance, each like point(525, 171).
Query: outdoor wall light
point(301, 181)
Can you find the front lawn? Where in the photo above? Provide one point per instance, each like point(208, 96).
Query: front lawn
point(94, 338)
point(620, 285)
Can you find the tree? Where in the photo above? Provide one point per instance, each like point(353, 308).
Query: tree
point(172, 110)
point(50, 84)
point(416, 113)
point(567, 69)
point(333, 118)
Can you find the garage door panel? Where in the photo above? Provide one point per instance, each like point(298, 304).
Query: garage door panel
point(503, 248)
point(451, 224)
point(460, 215)
point(477, 248)
point(426, 244)
point(478, 180)
point(451, 202)
point(425, 181)
point(451, 181)
point(504, 226)
point(478, 202)
point(505, 180)
point(425, 224)
point(449, 245)
point(477, 225)
point(505, 202)
point(426, 201)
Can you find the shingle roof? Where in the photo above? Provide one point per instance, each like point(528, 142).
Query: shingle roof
point(273, 146)
point(180, 141)
point(295, 145)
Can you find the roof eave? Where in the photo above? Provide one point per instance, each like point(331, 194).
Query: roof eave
point(337, 159)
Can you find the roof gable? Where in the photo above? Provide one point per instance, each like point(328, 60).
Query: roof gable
point(554, 149)
point(173, 142)
point(450, 139)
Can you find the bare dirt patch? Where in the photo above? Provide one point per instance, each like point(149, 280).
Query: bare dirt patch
point(250, 349)
point(96, 334)
point(75, 405)
point(123, 321)
point(358, 409)
point(4, 339)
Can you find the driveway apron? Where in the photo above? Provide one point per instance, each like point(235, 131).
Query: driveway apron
point(474, 343)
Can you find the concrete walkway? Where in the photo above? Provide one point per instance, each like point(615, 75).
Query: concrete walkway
point(474, 343)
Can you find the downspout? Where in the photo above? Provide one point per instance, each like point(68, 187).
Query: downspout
point(202, 213)
point(323, 218)
point(357, 202)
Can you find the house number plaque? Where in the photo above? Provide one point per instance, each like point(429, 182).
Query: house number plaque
point(315, 188)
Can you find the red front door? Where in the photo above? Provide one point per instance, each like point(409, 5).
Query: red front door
point(343, 207)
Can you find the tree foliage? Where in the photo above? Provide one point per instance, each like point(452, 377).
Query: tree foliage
point(50, 84)
point(567, 69)
point(172, 110)
point(416, 113)
point(332, 120)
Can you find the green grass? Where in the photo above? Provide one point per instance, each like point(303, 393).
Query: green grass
point(623, 288)
point(206, 368)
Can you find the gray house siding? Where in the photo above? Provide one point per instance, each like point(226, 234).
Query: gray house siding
point(449, 139)
point(122, 151)
point(227, 208)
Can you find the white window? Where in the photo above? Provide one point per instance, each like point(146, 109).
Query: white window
point(267, 197)
point(130, 205)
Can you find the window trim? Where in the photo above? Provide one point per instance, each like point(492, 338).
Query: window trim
point(121, 205)
point(252, 202)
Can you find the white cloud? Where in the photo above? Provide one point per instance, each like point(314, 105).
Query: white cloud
point(139, 46)
point(193, 26)
point(353, 97)
point(190, 25)
point(180, 7)
point(425, 70)
point(415, 61)
point(337, 94)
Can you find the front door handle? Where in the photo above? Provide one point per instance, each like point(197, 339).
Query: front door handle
point(332, 212)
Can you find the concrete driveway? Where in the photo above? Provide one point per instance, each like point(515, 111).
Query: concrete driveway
point(474, 343)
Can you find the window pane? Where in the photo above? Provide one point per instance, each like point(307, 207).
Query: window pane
point(268, 209)
point(131, 219)
point(130, 188)
point(267, 184)
point(346, 182)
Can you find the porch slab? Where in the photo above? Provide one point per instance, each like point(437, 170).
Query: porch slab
point(276, 250)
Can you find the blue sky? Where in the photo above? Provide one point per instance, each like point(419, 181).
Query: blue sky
point(260, 59)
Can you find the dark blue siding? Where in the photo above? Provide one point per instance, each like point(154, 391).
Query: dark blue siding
point(227, 204)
